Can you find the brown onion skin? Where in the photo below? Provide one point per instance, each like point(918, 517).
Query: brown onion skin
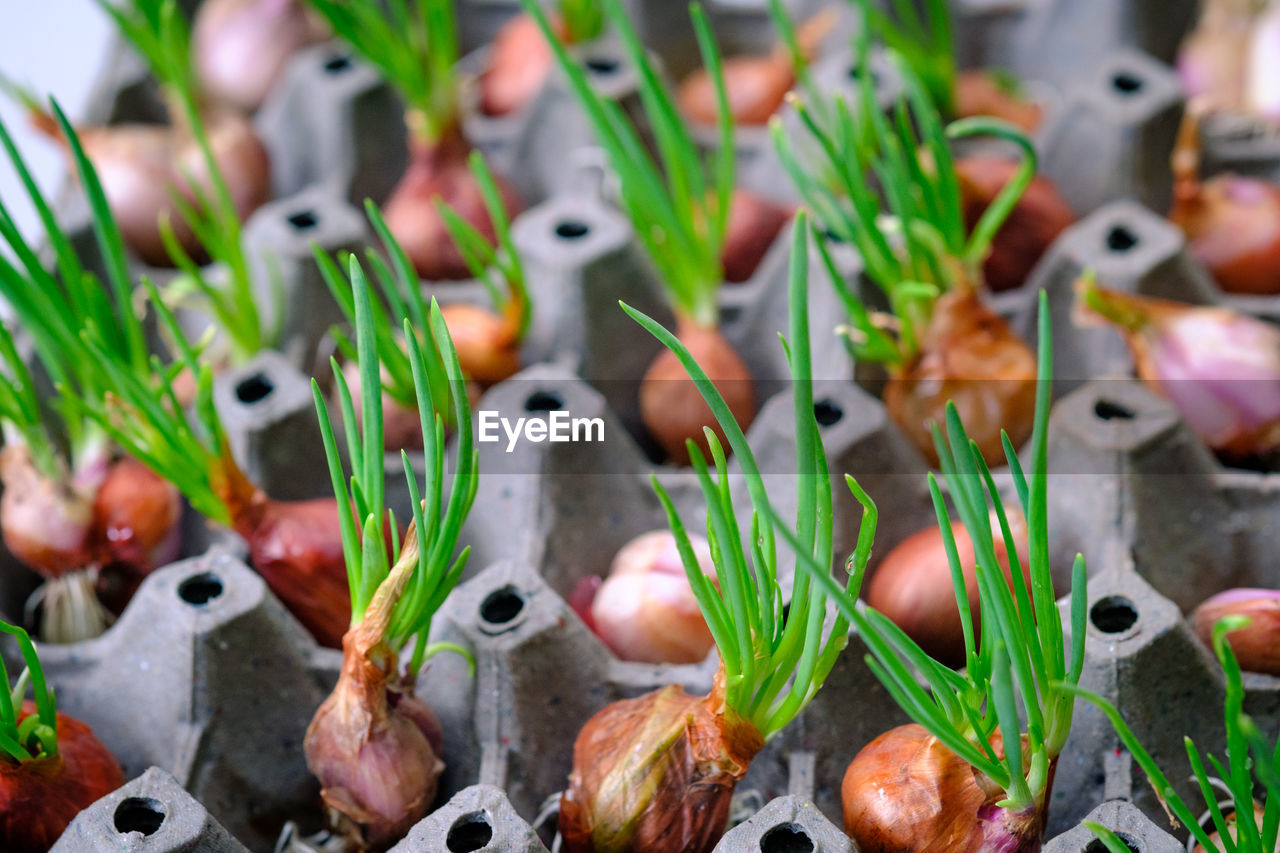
point(1232, 225)
point(40, 797)
point(487, 346)
point(439, 170)
point(754, 223)
point(670, 405)
point(520, 61)
point(907, 793)
point(45, 523)
point(697, 748)
point(137, 527)
point(968, 355)
point(978, 93)
point(913, 586)
point(1038, 218)
point(1255, 645)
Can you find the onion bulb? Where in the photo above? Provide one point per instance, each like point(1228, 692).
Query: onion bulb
point(1256, 645)
point(970, 356)
point(488, 344)
point(439, 170)
point(755, 85)
point(1220, 369)
point(47, 522)
point(655, 774)
point(372, 744)
point(1231, 222)
point(753, 225)
point(905, 792)
point(1211, 61)
point(913, 585)
point(240, 47)
point(982, 93)
point(1262, 79)
point(41, 796)
point(1040, 215)
point(519, 63)
point(645, 610)
point(136, 515)
point(671, 406)
point(141, 165)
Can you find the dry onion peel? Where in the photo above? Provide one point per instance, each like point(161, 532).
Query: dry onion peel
point(1020, 657)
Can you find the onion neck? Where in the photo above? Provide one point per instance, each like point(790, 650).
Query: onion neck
point(246, 504)
point(1189, 204)
point(434, 138)
point(1120, 309)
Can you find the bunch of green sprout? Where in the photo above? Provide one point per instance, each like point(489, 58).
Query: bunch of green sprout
point(37, 735)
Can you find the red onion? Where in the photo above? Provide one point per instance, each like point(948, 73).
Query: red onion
point(913, 587)
point(754, 223)
point(1220, 369)
point(240, 47)
point(981, 93)
point(47, 523)
point(907, 793)
point(646, 611)
point(1040, 215)
point(1232, 222)
point(1263, 74)
point(970, 356)
point(519, 63)
point(655, 774)
point(136, 527)
point(440, 170)
point(41, 796)
point(671, 406)
point(1255, 645)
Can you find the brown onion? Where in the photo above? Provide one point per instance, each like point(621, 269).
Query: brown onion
point(907, 793)
point(1040, 215)
point(754, 223)
point(980, 93)
point(41, 796)
point(488, 345)
point(671, 406)
point(968, 355)
point(913, 585)
point(655, 774)
point(755, 85)
point(240, 47)
point(1256, 645)
point(520, 61)
point(645, 610)
point(440, 170)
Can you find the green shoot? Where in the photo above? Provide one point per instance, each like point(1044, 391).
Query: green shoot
point(913, 242)
point(925, 42)
point(1238, 829)
point(415, 49)
point(37, 735)
point(680, 207)
point(365, 525)
point(775, 659)
point(159, 31)
point(583, 20)
point(1113, 842)
point(1019, 666)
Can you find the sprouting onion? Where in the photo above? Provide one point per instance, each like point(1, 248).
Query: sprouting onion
point(415, 47)
point(374, 746)
point(939, 342)
point(209, 214)
point(656, 773)
point(57, 462)
point(679, 208)
point(1018, 667)
point(51, 766)
point(1247, 825)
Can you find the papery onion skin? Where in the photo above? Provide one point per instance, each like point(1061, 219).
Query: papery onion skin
point(913, 586)
point(645, 610)
point(1256, 645)
point(40, 797)
point(520, 61)
point(656, 774)
point(980, 93)
point(968, 355)
point(240, 47)
point(1219, 368)
point(136, 515)
point(671, 406)
point(754, 223)
point(1232, 225)
point(46, 524)
point(440, 170)
point(486, 343)
point(1039, 217)
point(907, 793)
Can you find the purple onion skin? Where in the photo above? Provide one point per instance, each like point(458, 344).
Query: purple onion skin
point(242, 46)
point(1007, 831)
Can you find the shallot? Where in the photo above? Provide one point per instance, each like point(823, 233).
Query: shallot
point(1254, 644)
